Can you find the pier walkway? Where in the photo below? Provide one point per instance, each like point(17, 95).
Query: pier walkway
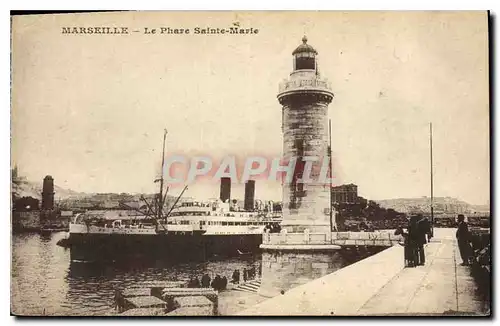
point(380, 285)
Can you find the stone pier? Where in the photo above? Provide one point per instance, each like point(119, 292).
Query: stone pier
point(284, 270)
point(380, 285)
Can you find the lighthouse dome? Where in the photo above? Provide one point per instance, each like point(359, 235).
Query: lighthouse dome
point(304, 48)
point(304, 56)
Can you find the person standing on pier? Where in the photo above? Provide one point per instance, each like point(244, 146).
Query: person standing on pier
point(119, 301)
point(236, 276)
point(463, 239)
point(408, 254)
point(413, 241)
point(224, 283)
point(205, 281)
point(216, 283)
point(422, 231)
point(426, 225)
point(252, 273)
point(245, 274)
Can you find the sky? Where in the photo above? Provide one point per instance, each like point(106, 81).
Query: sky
point(90, 110)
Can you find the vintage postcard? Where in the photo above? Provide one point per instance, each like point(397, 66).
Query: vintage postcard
point(250, 164)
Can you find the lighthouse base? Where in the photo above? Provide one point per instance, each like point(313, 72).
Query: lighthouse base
point(300, 226)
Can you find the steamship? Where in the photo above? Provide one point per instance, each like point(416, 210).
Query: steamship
point(193, 230)
point(188, 230)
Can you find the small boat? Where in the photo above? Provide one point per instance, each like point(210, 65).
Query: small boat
point(63, 243)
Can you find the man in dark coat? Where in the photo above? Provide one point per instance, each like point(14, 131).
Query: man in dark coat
point(463, 239)
point(224, 283)
point(245, 274)
point(236, 276)
point(423, 229)
point(191, 283)
point(216, 283)
point(413, 241)
point(252, 273)
point(408, 258)
point(205, 281)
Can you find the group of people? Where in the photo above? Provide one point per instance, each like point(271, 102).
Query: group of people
point(418, 234)
point(272, 227)
point(248, 274)
point(219, 283)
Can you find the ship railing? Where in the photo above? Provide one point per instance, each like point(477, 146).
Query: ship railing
point(190, 209)
point(384, 237)
point(180, 227)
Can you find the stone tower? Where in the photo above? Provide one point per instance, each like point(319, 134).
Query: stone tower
point(305, 97)
point(48, 193)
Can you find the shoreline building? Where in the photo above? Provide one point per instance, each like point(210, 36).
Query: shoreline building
point(305, 97)
point(345, 194)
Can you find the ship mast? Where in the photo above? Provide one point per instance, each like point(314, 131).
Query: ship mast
point(160, 199)
point(432, 180)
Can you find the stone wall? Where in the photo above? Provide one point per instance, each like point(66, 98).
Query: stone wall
point(282, 271)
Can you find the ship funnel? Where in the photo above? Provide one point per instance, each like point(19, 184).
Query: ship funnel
point(225, 189)
point(249, 195)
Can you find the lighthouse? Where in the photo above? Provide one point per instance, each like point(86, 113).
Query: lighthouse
point(305, 97)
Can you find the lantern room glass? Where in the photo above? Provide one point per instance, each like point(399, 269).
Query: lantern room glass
point(304, 60)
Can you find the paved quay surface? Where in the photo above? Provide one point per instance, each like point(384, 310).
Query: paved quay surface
point(232, 302)
point(380, 285)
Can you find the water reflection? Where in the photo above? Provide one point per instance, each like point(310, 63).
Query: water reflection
point(38, 272)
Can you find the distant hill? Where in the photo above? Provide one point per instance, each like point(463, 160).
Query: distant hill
point(69, 199)
point(447, 205)
point(21, 187)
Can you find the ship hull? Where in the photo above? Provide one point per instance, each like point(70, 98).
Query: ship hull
point(171, 247)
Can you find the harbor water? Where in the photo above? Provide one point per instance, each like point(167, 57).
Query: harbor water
point(45, 281)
